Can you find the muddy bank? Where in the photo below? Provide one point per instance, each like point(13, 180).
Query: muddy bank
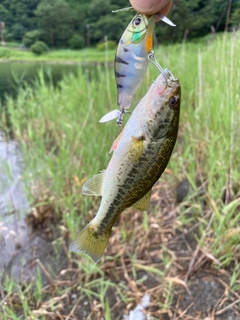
point(21, 246)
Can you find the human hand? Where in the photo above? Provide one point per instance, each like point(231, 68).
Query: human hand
point(152, 6)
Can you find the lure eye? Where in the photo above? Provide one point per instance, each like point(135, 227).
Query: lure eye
point(137, 21)
point(173, 102)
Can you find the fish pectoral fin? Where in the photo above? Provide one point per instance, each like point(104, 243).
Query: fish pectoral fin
point(93, 186)
point(143, 203)
point(91, 241)
point(115, 142)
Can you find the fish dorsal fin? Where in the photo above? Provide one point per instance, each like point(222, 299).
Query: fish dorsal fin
point(115, 142)
point(93, 186)
point(143, 203)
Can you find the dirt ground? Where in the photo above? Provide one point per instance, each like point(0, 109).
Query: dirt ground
point(192, 287)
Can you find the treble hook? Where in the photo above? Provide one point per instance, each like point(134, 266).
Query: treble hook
point(120, 117)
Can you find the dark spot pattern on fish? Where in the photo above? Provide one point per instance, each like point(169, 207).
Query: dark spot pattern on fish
point(117, 207)
point(121, 192)
point(120, 60)
point(119, 75)
point(119, 86)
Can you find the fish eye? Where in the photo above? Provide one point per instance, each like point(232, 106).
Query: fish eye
point(173, 102)
point(137, 21)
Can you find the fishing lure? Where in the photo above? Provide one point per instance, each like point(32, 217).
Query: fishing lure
point(133, 53)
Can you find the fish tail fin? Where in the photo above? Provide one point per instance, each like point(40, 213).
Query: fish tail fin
point(91, 240)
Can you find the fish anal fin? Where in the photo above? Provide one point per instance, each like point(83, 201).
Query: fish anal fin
point(143, 203)
point(91, 241)
point(93, 186)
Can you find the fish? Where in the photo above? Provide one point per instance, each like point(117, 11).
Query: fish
point(131, 61)
point(141, 153)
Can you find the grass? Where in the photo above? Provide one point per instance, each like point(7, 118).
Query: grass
point(64, 144)
point(86, 55)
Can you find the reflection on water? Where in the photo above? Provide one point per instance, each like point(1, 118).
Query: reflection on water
point(12, 196)
point(14, 74)
point(13, 203)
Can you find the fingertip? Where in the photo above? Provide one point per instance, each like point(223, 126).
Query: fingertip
point(151, 6)
point(164, 11)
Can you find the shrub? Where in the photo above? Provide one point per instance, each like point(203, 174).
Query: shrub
point(17, 31)
point(30, 38)
point(110, 45)
point(76, 42)
point(5, 53)
point(39, 47)
point(8, 36)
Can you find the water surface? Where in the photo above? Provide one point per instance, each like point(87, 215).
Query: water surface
point(14, 74)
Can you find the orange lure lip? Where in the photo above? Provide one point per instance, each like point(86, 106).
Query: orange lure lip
point(149, 43)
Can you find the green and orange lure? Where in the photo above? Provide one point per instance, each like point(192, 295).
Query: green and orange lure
point(133, 53)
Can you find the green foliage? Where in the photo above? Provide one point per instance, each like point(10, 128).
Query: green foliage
point(4, 53)
point(18, 16)
point(39, 47)
point(111, 26)
point(3, 12)
point(31, 37)
point(57, 21)
point(98, 9)
point(76, 42)
point(235, 18)
point(8, 36)
point(194, 19)
point(109, 45)
point(18, 31)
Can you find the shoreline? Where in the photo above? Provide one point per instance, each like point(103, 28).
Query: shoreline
point(66, 62)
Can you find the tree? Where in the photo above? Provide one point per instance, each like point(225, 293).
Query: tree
point(235, 17)
point(53, 21)
point(18, 16)
point(103, 22)
point(58, 20)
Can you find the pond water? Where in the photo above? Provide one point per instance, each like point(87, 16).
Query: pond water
point(15, 74)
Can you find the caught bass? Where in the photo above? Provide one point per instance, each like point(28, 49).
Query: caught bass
point(140, 154)
point(131, 61)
